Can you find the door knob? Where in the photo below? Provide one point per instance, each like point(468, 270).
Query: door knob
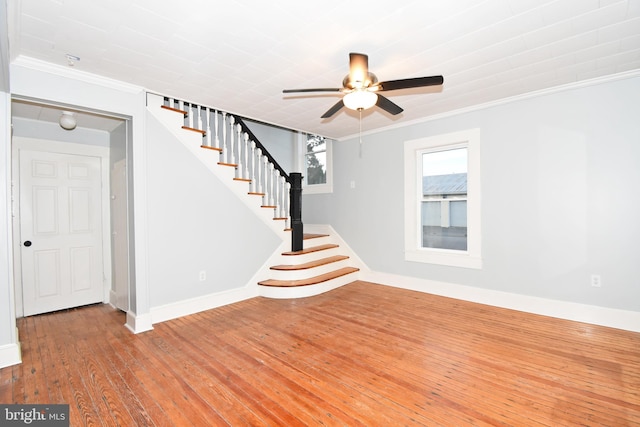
point(27, 243)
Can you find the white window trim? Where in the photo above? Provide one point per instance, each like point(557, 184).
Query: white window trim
point(471, 258)
point(319, 188)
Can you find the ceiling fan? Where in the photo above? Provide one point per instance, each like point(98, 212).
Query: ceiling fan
point(362, 89)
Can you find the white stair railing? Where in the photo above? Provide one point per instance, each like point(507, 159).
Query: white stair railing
point(225, 133)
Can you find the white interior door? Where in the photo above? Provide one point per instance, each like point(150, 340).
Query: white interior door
point(60, 230)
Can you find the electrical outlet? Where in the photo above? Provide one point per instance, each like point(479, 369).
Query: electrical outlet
point(596, 280)
point(203, 276)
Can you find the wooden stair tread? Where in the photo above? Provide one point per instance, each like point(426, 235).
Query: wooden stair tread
point(174, 109)
point(310, 264)
point(200, 131)
point(211, 148)
point(311, 249)
point(313, 236)
point(310, 281)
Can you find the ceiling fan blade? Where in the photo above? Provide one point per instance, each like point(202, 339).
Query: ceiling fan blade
point(388, 106)
point(358, 69)
point(320, 89)
point(410, 83)
point(331, 111)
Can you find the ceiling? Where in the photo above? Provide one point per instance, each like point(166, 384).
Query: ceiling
point(239, 55)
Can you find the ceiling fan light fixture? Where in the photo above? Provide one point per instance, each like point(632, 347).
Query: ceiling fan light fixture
point(360, 99)
point(67, 120)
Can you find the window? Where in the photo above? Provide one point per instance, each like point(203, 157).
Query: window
point(317, 161)
point(442, 199)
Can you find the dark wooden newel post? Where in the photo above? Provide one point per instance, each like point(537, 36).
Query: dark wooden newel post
point(295, 211)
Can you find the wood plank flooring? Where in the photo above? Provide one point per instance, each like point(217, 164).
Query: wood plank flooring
point(360, 355)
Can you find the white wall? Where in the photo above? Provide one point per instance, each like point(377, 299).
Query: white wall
point(37, 80)
point(560, 176)
point(196, 224)
point(184, 221)
point(9, 347)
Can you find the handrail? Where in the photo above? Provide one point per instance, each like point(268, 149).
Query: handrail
point(276, 165)
point(205, 120)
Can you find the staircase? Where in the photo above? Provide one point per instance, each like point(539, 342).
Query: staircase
point(319, 267)
point(256, 178)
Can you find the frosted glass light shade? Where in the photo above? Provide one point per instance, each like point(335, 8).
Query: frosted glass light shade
point(360, 99)
point(67, 120)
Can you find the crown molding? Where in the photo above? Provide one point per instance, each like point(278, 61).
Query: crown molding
point(73, 73)
point(556, 89)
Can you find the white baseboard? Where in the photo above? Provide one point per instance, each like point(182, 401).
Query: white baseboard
point(602, 316)
point(138, 323)
point(203, 303)
point(10, 355)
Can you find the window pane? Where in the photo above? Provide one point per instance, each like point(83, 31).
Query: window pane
point(316, 168)
point(316, 144)
point(458, 210)
point(444, 162)
point(444, 216)
point(316, 160)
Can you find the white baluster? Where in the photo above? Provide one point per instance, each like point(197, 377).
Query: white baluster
point(239, 157)
point(252, 167)
point(225, 153)
point(189, 116)
point(245, 157)
point(232, 155)
point(287, 200)
point(272, 188)
point(265, 180)
point(193, 116)
point(216, 141)
point(283, 197)
point(259, 175)
point(204, 115)
point(276, 192)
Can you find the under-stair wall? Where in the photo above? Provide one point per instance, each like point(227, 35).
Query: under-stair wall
point(192, 221)
point(324, 263)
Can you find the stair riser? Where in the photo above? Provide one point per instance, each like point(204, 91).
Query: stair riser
point(311, 256)
point(317, 241)
point(309, 272)
point(307, 291)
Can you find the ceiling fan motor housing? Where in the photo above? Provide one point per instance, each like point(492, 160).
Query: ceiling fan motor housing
point(349, 84)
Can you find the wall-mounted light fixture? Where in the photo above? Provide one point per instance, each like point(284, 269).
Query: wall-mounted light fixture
point(68, 120)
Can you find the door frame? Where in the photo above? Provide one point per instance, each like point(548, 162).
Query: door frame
point(35, 144)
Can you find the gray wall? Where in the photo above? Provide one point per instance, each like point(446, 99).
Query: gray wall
point(196, 223)
point(560, 176)
point(279, 142)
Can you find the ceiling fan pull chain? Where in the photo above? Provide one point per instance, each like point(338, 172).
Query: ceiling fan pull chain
point(360, 120)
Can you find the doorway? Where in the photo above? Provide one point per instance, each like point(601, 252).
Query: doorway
point(64, 251)
point(60, 230)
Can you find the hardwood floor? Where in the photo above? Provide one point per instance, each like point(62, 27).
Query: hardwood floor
point(360, 355)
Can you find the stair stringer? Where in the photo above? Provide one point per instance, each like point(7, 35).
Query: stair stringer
point(173, 122)
point(278, 258)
